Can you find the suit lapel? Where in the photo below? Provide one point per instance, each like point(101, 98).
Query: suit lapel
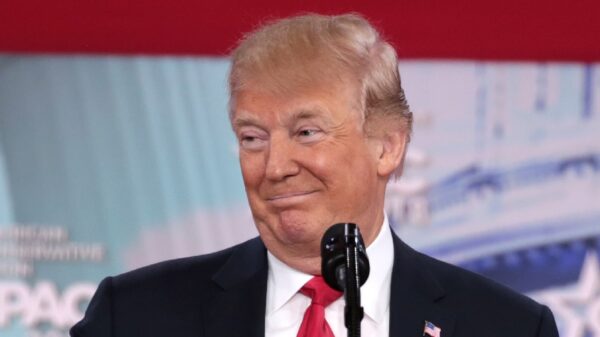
point(416, 296)
point(238, 306)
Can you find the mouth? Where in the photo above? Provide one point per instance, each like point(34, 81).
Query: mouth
point(289, 199)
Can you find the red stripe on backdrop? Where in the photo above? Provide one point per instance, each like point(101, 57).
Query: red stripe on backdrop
point(508, 30)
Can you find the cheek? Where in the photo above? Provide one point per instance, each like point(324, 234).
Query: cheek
point(252, 170)
point(327, 167)
point(335, 168)
point(351, 172)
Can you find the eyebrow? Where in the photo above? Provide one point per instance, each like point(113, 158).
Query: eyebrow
point(309, 112)
point(246, 120)
point(304, 113)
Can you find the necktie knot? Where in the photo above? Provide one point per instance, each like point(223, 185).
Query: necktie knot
point(320, 293)
point(314, 323)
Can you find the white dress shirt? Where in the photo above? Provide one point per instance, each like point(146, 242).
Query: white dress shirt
point(286, 306)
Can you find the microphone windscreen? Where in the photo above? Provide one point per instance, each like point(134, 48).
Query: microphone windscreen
point(334, 247)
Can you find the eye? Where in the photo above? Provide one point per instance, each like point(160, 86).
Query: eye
point(309, 134)
point(252, 141)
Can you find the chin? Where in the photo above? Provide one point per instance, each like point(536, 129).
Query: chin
point(295, 227)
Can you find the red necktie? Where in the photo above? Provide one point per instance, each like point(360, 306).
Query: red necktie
point(314, 323)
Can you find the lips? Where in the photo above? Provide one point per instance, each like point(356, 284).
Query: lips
point(289, 198)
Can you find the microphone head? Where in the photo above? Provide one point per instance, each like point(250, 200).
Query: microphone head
point(334, 246)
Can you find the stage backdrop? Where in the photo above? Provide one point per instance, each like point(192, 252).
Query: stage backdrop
point(110, 163)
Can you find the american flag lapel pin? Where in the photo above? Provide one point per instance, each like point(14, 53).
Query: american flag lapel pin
point(431, 330)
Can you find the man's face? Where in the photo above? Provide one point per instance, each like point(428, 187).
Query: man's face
point(307, 165)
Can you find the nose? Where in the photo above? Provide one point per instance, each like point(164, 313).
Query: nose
point(280, 160)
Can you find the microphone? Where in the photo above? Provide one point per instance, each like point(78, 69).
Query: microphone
point(336, 242)
point(345, 267)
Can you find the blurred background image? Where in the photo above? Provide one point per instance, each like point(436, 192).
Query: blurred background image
point(116, 150)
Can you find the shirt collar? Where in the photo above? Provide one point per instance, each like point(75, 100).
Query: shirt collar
point(284, 282)
point(375, 293)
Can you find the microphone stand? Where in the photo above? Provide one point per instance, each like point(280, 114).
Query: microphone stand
point(353, 312)
point(345, 267)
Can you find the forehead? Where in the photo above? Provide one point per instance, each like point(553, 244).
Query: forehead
point(327, 102)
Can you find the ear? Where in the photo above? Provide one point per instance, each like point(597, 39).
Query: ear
point(392, 151)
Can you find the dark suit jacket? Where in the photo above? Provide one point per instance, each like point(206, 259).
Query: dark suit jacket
point(223, 295)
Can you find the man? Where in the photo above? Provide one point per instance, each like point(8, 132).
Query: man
point(322, 124)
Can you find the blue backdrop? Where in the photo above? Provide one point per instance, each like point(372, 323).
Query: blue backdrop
point(110, 163)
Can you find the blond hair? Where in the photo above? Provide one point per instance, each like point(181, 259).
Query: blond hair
point(284, 55)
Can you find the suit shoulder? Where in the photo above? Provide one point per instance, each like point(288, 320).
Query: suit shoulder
point(159, 299)
point(479, 292)
point(476, 305)
point(197, 269)
point(483, 303)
